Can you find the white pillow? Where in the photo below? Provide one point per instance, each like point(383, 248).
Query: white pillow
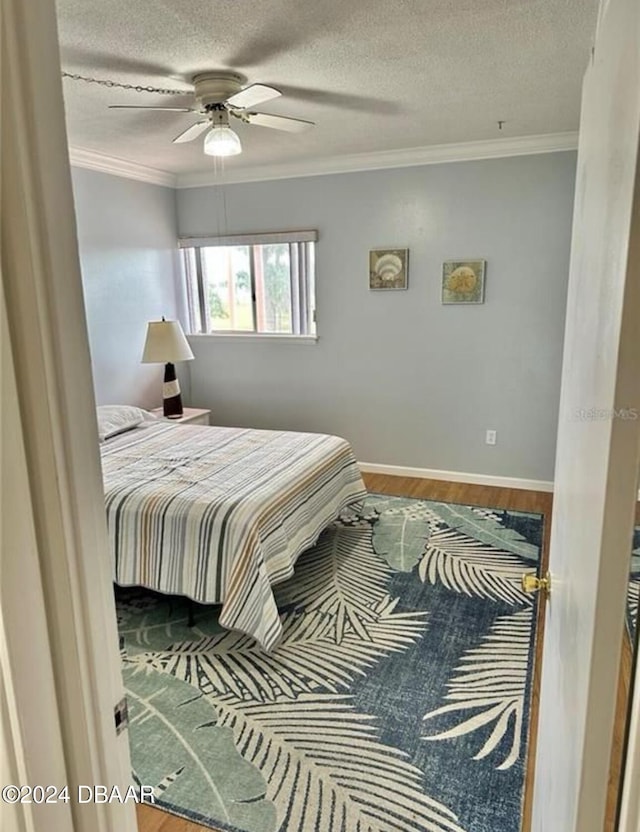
point(116, 418)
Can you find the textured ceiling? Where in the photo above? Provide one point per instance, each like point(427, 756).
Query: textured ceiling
point(373, 74)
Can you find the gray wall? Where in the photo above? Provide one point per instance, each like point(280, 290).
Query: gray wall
point(127, 240)
point(407, 380)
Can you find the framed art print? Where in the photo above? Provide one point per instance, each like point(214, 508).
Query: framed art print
point(388, 268)
point(463, 281)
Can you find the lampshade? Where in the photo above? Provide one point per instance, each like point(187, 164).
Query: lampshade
point(165, 343)
point(222, 141)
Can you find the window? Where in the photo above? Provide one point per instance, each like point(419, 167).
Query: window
point(257, 283)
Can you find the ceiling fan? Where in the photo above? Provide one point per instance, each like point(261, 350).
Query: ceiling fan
point(219, 96)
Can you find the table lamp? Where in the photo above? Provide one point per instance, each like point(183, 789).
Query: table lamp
point(166, 344)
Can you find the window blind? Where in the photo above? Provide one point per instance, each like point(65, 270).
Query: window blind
point(260, 239)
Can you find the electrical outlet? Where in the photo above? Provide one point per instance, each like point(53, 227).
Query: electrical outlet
point(492, 437)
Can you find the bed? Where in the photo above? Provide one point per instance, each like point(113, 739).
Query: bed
point(220, 515)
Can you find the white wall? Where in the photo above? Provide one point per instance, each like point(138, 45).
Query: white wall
point(407, 380)
point(127, 240)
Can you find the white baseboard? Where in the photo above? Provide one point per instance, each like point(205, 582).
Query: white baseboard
point(457, 476)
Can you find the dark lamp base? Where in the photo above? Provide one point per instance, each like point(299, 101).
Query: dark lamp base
point(171, 398)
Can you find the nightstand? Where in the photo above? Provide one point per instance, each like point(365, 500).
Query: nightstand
point(191, 416)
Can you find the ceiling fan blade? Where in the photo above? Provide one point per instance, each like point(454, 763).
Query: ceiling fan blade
point(343, 100)
point(251, 96)
point(192, 132)
point(291, 125)
point(161, 109)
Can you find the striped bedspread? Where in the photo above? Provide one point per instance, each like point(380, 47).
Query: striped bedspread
point(221, 514)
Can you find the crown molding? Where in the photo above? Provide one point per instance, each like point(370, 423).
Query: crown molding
point(408, 157)
point(81, 158)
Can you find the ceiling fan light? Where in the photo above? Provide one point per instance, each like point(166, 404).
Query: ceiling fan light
point(222, 141)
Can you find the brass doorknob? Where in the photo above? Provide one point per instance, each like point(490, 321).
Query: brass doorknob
point(532, 583)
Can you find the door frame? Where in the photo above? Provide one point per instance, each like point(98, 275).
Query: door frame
point(55, 413)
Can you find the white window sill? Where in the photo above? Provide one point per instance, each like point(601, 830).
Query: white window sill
point(249, 337)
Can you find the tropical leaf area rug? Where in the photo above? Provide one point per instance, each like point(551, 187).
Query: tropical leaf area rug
point(397, 700)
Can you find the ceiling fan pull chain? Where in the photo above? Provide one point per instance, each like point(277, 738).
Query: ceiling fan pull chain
point(134, 87)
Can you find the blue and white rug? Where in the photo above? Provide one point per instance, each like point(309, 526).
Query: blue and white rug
point(397, 701)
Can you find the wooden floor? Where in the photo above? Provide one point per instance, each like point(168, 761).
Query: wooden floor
point(619, 734)
point(155, 820)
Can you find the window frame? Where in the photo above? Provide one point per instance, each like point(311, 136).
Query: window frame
point(302, 287)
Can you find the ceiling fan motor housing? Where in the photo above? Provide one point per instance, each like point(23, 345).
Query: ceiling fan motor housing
point(215, 87)
point(218, 115)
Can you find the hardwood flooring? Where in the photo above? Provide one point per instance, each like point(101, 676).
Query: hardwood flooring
point(619, 734)
point(155, 820)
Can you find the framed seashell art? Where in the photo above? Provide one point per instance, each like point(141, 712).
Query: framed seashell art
point(389, 268)
point(463, 281)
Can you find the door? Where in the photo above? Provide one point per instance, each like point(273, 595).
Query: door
point(59, 664)
point(27, 687)
point(598, 442)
